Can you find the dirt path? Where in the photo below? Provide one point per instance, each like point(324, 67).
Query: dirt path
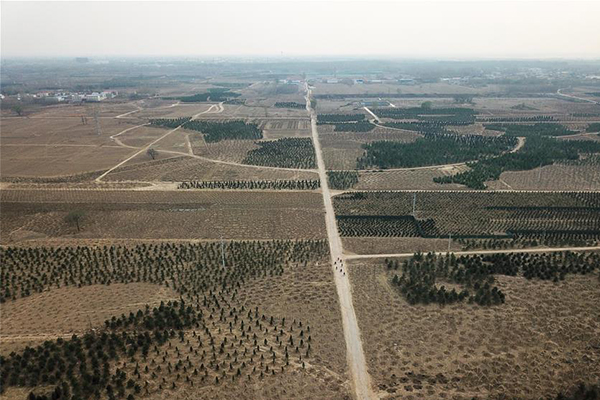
point(519, 145)
point(558, 92)
point(219, 108)
point(372, 114)
point(472, 252)
point(354, 351)
point(130, 112)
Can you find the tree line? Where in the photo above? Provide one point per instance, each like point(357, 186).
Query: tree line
point(280, 184)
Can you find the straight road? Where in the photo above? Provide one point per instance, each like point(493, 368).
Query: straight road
point(473, 252)
point(354, 352)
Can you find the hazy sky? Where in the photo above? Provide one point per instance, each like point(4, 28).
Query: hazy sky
point(448, 29)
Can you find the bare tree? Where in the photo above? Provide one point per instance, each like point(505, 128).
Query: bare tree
point(18, 109)
point(74, 218)
point(152, 153)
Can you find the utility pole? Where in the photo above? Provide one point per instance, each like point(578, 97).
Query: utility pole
point(96, 121)
point(449, 241)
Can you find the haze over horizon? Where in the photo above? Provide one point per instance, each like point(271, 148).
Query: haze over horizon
point(449, 29)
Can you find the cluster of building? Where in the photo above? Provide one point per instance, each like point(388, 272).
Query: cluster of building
point(59, 97)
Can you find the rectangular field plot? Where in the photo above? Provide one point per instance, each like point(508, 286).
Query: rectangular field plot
point(582, 175)
point(179, 169)
point(33, 161)
point(163, 214)
point(468, 214)
point(342, 149)
point(407, 179)
point(461, 350)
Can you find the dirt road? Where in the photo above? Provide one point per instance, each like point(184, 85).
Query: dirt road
point(558, 92)
point(372, 114)
point(472, 252)
point(354, 351)
point(219, 108)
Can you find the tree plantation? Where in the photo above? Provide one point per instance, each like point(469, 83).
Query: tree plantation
point(423, 276)
point(286, 152)
point(205, 338)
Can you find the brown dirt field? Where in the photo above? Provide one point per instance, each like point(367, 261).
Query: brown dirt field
point(163, 215)
point(58, 129)
point(385, 245)
point(559, 108)
point(166, 111)
point(462, 351)
point(183, 168)
point(140, 137)
point(276, 129)
point(417, 179)
point(551, 177)
point(52, 161)
point(225, 150)
point(62, 312)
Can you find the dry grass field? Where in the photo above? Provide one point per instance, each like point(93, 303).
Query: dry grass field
point(64, 311)
point(181, 168)
point(388, 245)
point(162, 215)
point(542, 341)
point(551, 177)
point(407, 179)
point(225, 150)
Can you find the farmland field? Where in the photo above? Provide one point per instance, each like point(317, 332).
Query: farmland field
point(463, 350)
point(163, 215)
point(279, 227)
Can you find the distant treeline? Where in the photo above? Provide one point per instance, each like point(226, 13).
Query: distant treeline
point(212, 94)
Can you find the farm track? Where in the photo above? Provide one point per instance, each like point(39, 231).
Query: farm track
point(219, 107)
point(474, 252)
point(354, 349)
point(558, 92)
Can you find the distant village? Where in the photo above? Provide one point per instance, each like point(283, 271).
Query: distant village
point(74, 97)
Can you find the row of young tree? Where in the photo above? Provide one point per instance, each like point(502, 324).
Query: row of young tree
point(170, 122)
point(534, 118)
point(544, 238)
point(335, 118)
point(284, 153)
point(303, 184)
point(362, 126)
point(537, 152)
point(433, 150)
point(289, 104)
